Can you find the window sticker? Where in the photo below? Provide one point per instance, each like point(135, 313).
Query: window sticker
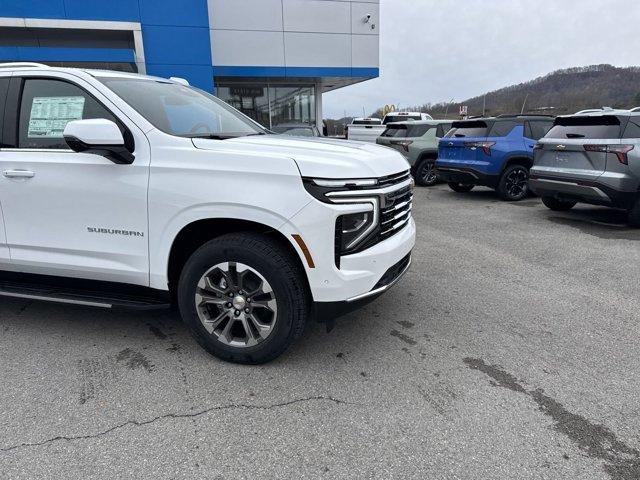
point(49, 115)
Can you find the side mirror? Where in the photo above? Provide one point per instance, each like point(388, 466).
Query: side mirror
point(98, 136)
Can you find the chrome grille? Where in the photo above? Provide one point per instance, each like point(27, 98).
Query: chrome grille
point(395, 212)
point(393, 179)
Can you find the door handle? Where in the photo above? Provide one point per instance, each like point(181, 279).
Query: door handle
point(18, 174)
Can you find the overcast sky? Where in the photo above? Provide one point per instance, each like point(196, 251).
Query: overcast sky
point(436, 50)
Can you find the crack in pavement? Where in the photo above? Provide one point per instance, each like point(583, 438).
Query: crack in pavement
point(621, 461)
point(136, 423)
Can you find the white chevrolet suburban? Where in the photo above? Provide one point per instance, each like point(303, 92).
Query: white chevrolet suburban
point(123, 190)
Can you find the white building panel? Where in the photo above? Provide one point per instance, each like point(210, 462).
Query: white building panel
point(317, 50)
point(245, 14)
point(365, 51)
point(359, 24)
point(247, 48)
point(319, 16)
point(295, 33)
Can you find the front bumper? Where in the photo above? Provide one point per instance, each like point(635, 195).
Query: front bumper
point(359, 274)
point(327, 311)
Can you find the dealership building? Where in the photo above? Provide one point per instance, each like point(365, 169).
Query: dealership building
point(272, 59)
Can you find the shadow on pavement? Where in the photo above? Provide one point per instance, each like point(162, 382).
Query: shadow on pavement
point(604, 223)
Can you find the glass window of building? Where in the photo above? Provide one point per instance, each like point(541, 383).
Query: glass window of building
point(272, 105)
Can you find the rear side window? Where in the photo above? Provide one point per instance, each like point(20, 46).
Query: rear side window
point(418, 130)
point(46, 108)
point(502, 128)
point(596, 127)
point(537, 130)
point(395, 131)
point(468, 129)
point(443, 128)
point(633, 129)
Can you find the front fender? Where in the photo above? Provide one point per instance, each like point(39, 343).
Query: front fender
point(158, 277)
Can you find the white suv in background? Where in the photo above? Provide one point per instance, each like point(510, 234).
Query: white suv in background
point(126, 190)
point(369, 129)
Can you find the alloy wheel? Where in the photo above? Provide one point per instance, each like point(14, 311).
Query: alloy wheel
point(236, 304)
point(427, 173)
point(516, 183)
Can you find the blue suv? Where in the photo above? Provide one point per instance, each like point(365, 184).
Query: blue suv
point(492, 152)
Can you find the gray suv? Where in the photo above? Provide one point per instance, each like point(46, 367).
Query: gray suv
point(590, 158)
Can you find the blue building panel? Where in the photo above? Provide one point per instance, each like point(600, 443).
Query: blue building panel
point(294, 72)
point(180, 45)
point(32, 8)
point(114, 10)
point(187, 13)
point(200, 76)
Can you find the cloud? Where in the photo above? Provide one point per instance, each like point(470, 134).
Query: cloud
point(436, 50)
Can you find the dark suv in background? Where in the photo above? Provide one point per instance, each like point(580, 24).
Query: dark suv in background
point(592, 158)
point(493, 152)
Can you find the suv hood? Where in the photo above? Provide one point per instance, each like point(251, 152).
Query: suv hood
point(319, 157)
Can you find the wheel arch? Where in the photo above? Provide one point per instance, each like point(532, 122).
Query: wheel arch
point(426, 155)
point(196, 233)
point(517, 160)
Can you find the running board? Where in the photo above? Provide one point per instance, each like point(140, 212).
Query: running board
point(92, 297)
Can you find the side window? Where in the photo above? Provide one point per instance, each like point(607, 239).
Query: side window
point(443, 128)
point(537, 130)
point(47, 106)
point(633, 129)
point(502, 129)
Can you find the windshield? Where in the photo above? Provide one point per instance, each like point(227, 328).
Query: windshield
point(468, 129)
point(182, 111)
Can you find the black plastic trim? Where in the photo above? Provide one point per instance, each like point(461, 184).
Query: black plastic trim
point(116, 153)
point(617, 198)
point(11, 113)
point(77, 290)
point(467, 176)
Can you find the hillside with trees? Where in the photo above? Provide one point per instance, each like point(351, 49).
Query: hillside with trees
point(560, 92)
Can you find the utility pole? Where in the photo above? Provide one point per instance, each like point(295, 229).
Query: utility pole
point(524, 103)
point(484, 104)
point(446, 112)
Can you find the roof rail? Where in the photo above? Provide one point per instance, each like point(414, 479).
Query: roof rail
point(506, 115)
point(23, 64)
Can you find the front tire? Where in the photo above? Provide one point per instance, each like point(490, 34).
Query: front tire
point(242, 295)
point(513, 185)
point(426, 173)
point(460, 187)
point(558, 205)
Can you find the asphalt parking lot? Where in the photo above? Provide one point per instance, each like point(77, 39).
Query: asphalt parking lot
point(510, 350)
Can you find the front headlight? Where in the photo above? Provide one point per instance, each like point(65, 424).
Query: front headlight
point(355, 228)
